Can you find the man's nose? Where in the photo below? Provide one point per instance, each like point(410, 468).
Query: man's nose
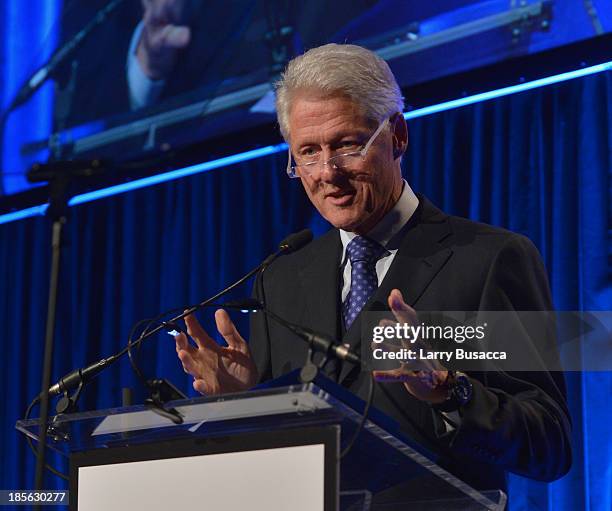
point(328, 170)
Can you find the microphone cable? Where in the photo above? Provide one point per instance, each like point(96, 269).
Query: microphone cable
point(364, 417)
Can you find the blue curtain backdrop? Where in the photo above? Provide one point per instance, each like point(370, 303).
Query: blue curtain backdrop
point(538, 163)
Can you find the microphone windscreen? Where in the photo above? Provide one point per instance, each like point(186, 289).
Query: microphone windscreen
point(296, 240)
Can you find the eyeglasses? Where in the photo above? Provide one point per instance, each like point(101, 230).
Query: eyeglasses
point(345, 160)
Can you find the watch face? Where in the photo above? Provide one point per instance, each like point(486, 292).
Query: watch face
point(463, 389)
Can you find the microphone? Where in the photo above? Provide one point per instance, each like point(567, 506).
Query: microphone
point(316, 341)
point(83, 376)
point(296, 241)
point(290, 244)
point(80, 376)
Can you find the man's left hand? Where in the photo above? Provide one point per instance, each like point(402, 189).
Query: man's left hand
point(428, 380)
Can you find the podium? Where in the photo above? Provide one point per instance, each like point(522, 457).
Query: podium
point(276, 447)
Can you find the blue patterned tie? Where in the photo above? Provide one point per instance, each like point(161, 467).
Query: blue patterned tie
point(363, 254)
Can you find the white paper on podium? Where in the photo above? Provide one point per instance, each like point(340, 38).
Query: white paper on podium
point(262, 480)
point(214, 411)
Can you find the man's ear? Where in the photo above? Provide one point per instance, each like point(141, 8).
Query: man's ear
point(400, 135)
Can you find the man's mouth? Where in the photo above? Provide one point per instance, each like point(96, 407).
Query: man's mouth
point(341, 197)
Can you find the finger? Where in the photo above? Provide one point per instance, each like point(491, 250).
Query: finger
point(401, 310)
point(228, 330)
point(204, 387)
point(182, 343)
point(198, 334)
point(174, 37)
point(414, 366)
point(429, 379)
point(438, 377)
point(397, 374)
point(395, 339)
point(388, 346)
point(189, 364)
point(200, 386)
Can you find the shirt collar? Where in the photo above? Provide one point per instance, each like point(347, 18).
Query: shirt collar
point(384, 231)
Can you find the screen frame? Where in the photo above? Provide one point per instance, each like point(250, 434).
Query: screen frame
point(329, 436)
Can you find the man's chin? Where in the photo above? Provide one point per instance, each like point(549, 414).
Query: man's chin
point(360, 224)
point(350, 223)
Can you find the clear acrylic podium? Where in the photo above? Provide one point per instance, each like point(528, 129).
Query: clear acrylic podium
point(272, 448)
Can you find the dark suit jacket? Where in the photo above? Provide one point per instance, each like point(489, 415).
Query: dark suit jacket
point(514, 422)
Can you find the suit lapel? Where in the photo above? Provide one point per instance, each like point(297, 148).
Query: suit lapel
point(319, 288)
point(418, 260)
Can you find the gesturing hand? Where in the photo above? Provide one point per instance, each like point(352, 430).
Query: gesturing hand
point(163, 35)
point(216, 369)
point(427, 379)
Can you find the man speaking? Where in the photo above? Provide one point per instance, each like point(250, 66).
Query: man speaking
point(340, 111)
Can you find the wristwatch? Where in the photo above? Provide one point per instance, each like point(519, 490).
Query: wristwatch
point(460, 392)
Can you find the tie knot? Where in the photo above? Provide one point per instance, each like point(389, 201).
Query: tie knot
point(361, 249)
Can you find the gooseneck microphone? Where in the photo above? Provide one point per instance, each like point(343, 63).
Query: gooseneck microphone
point(84, 375)
point(80, 376)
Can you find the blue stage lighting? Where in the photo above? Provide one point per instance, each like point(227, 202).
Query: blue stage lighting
point(268, 150)
point(506, 91)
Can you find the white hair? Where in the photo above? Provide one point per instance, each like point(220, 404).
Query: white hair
point(343, 69)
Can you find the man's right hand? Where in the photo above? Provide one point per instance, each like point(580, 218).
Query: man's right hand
point(216, 369)
point(163, 35)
